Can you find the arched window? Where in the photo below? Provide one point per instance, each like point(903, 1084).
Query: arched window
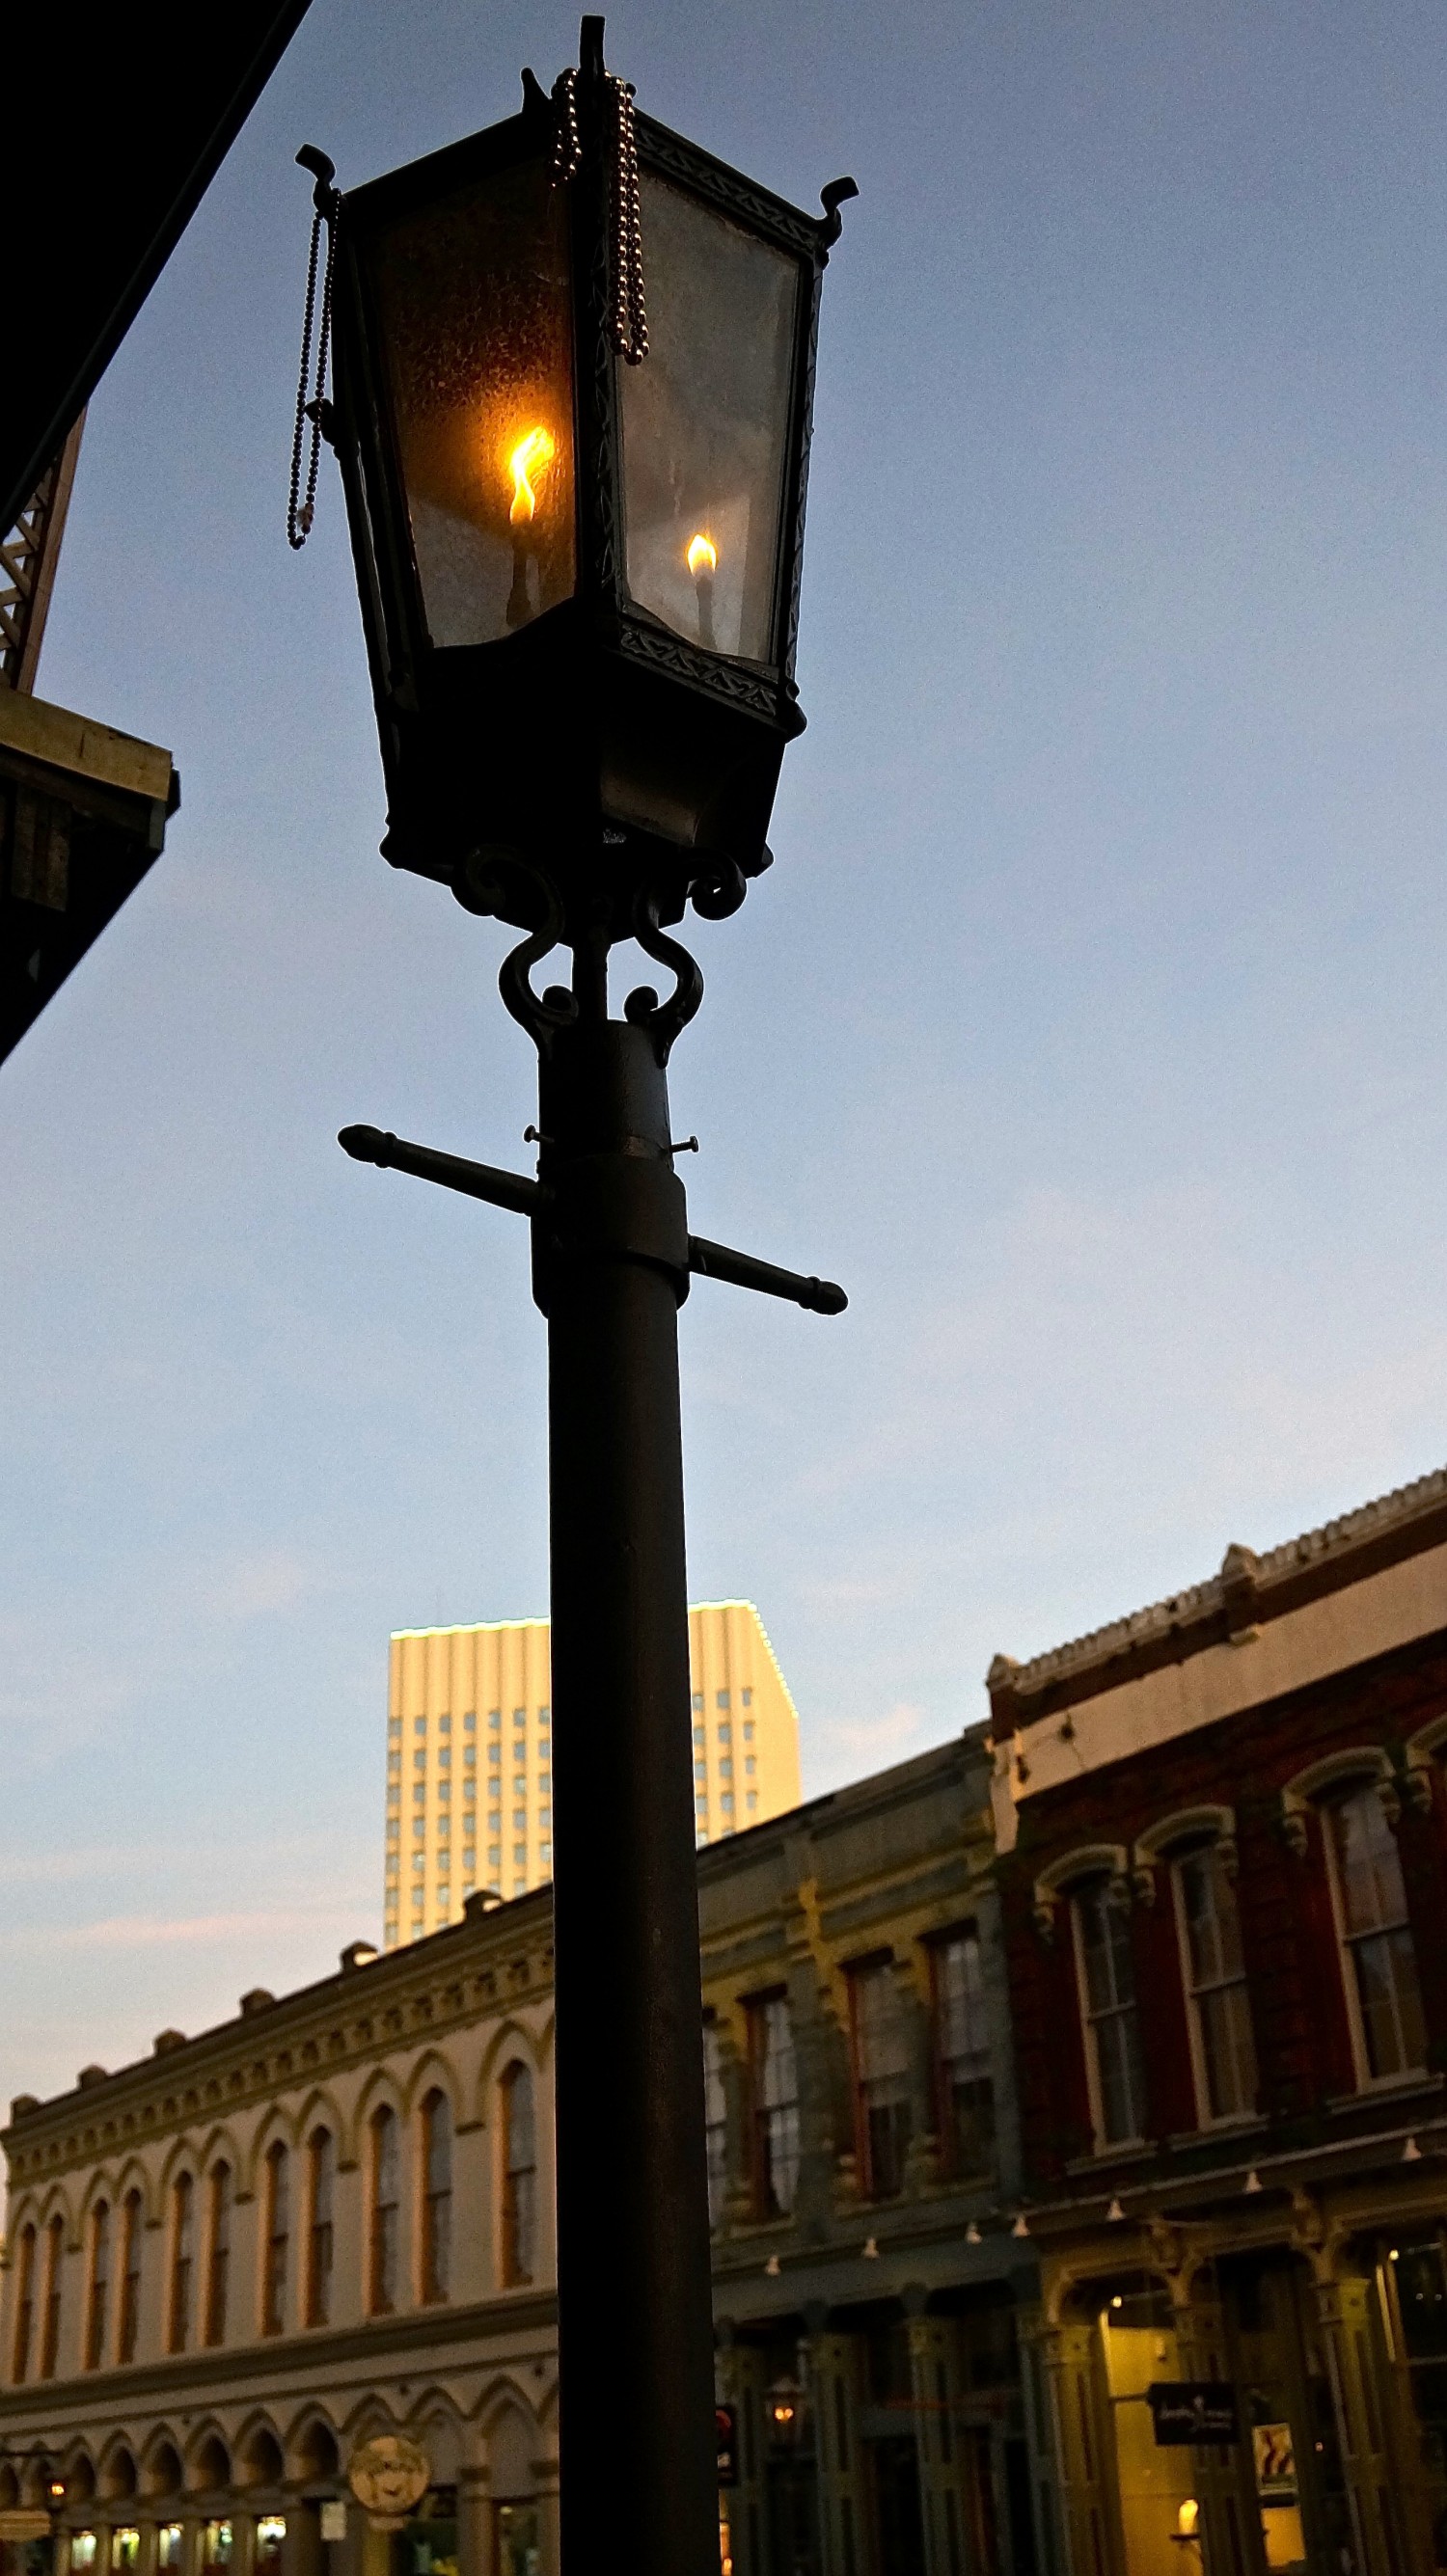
point(50, 2332)
point(382, 2285)
point(100, 2282)
point(436, 2196)
point(24, 2305)
point(183, 2233)
point(218, 2253)
point(1223, 2052)
point(519, 2177)
point(1378, 1957)
point(322, 2160)
point(130, 2277)
point(277, 2239)
point(1110, 2020)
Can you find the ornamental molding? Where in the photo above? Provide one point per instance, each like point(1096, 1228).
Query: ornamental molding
point(1425, 1752)
point(1056, 1882)
point(1162, 1841)
point(1357, 1765)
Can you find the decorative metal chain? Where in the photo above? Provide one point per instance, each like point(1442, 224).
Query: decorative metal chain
point(299, 512)
point(567, 150)
point(629, 319)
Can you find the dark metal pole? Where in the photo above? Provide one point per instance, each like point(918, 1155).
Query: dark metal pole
point(635, 2330)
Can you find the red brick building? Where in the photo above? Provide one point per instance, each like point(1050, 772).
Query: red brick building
point(1223, 1861)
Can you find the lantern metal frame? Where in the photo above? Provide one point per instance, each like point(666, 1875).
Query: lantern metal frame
point(494, 753)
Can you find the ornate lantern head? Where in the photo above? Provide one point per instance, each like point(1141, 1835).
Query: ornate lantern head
point(573, 364)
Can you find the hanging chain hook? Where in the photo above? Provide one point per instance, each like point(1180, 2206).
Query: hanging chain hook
point(629, 321)
point(300, 511)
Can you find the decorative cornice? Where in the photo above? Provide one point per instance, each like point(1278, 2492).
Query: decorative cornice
point(398, 1999)
point(187, 2377)
point(1236, 1598)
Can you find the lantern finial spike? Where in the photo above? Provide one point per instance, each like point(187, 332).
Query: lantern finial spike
point(590, 49)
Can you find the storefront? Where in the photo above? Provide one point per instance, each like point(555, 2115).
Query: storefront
point(1318, 2377)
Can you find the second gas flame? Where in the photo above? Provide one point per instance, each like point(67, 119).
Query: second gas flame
point(702, 555)
point(531, 456)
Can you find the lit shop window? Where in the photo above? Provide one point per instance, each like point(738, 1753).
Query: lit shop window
point(270, 2539)
point(168, 2545)
point(82, 2549)
point(125, 2549)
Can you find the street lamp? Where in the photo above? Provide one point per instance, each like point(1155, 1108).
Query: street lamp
point(573, 370)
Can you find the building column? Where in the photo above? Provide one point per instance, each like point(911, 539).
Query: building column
point(1364, 2406)
point(740, 2377)
point(474, 2519)
point(846, 2532)
point(1223, 2476)
point(934, 2386)
point(550, 2548)
point(1084, 2449)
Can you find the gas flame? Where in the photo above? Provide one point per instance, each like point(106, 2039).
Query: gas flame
point(702, 555)
point(532, 455)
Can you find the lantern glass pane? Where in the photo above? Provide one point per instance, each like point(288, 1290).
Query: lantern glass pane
point(705, 422)
point(472, 294)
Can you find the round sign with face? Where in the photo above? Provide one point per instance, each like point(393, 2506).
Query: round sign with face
point(389, 2474)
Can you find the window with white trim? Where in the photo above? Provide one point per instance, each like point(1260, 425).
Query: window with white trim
point(1223, 2050)
point(1378, 1955)
point(1110, 2017)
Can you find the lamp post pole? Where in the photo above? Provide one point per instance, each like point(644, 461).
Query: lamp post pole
point(634, 2304)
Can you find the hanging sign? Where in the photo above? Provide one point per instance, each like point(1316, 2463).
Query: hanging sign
point(1193, 2410)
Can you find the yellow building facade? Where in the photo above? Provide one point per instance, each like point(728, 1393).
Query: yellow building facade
point(469, 1754)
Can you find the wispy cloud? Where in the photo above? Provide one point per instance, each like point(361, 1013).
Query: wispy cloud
point(878, 1739)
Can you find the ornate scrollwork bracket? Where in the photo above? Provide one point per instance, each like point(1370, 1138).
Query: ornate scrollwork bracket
point(663, 1020)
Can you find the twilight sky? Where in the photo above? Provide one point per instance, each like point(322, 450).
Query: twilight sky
point(1088, 1027)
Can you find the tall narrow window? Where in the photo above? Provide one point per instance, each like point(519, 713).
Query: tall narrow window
point(50, 2331)
point(382, 2286)
point(130, 2316)
point(1223, 2050)
point(100, 2285)
point(1106, 1975)
point(881, 2077)
point(183, 2228)
point(519, 2177)
point(278, 2238)
point(1381, 1963)
point(964, 2088)
point(24, 2306)
point(218, 2258)
point(715, 2119)
point(774, 2097)
point(322, 2161)
point(436, 2197)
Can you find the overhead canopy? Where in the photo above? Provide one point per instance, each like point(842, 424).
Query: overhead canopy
point(129, 112)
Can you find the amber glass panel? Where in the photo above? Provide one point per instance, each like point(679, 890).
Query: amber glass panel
point(705, 425)
point(474, 308)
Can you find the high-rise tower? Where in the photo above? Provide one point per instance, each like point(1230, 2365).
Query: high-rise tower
point(469, 1754)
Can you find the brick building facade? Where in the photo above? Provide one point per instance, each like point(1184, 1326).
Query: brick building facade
point(1223, 1865)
